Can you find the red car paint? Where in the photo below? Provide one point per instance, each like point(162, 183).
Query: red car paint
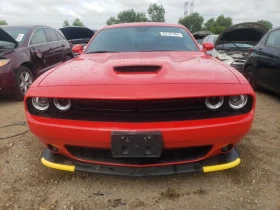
point(91, 76)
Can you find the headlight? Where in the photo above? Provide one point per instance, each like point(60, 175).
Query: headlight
point(214, 103)
point(238, 102)
point(62, 104)
point(41, 104)
point(223, 57)
point(4, 62)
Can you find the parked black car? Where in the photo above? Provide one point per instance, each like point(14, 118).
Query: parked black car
point(26, 52)
point(200, 35)
point(262, 67)
point(77, 34)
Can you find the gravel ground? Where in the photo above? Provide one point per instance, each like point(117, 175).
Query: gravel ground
point(26, 184)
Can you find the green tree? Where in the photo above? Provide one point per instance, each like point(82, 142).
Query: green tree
point(77, 22)
point(3, 22)
point(193, 22)
point(218, 25)
point(217, 29)
point(156, 13)
point(112, 20)
point(209, 24)
point(266, 23)
point(223, 21)
point(65, 23)
point(128, 16)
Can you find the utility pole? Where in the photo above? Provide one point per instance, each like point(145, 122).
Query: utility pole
point(186, 8)
point(191, 6)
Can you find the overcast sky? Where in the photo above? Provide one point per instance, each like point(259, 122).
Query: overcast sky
point(94, 13)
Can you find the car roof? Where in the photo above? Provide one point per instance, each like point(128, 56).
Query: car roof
point(121, 25)
point(24, 26)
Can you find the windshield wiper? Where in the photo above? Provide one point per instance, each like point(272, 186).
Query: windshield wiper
point(102, 51)
point(232, 43)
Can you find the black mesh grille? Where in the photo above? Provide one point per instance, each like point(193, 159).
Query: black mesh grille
point(168, 155)
point(138, 106)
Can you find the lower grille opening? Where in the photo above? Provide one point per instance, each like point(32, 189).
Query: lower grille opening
point(168, 155)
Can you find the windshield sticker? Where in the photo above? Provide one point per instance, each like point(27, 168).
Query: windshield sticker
point(171, 34)
point(19, 38)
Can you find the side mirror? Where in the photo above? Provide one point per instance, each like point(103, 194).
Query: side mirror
point(77, 49)
point(207, 46)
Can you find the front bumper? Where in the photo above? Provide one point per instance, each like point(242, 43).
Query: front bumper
point(182, 134)
point(216, 163)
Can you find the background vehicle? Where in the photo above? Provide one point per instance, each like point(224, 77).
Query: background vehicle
point(77, 35)
point(262, 67)
point(200, 35)
point(234, 44)
point(210, 39)
point(26, 52)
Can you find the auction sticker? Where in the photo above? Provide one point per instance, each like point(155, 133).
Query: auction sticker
point(19, 38)
point(171, 34)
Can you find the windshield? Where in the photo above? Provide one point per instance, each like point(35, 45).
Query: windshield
point(233, 45)
point(18, 33)
point(142, 39)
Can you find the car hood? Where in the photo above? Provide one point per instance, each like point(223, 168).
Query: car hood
point(72, 33)
point(4, 36)
point(247, 33)
point(123, 69)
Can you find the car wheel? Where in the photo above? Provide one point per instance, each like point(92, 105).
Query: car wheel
point(24, 79)
point(249, 74)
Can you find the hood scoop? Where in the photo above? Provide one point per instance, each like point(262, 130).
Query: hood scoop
point(137, 69)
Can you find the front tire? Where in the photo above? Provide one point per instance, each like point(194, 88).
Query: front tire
point(250, 75)
point(24, 79)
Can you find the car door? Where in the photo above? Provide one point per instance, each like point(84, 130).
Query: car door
point(42, 55)
point(66, 47)
point(269, 61)
point(56, 46)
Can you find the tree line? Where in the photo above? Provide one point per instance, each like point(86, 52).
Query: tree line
point(76, 22)
point(156, 13)
point(194, 22)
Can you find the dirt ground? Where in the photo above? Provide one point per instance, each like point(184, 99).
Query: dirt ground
point(255, 184)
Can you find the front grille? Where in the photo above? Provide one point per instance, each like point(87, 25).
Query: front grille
point(139, 110)
point(168, 155)
point(137, 106)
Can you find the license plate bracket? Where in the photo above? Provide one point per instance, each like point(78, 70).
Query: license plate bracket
point(136, 144)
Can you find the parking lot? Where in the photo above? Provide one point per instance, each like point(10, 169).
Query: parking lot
point(26, 184)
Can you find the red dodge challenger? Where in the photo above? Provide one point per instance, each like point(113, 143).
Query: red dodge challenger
point(141, 100)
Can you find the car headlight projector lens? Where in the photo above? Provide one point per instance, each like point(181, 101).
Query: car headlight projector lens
point(41, 104)
point(62, 104)
point(214, 103)
point(238, 102)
